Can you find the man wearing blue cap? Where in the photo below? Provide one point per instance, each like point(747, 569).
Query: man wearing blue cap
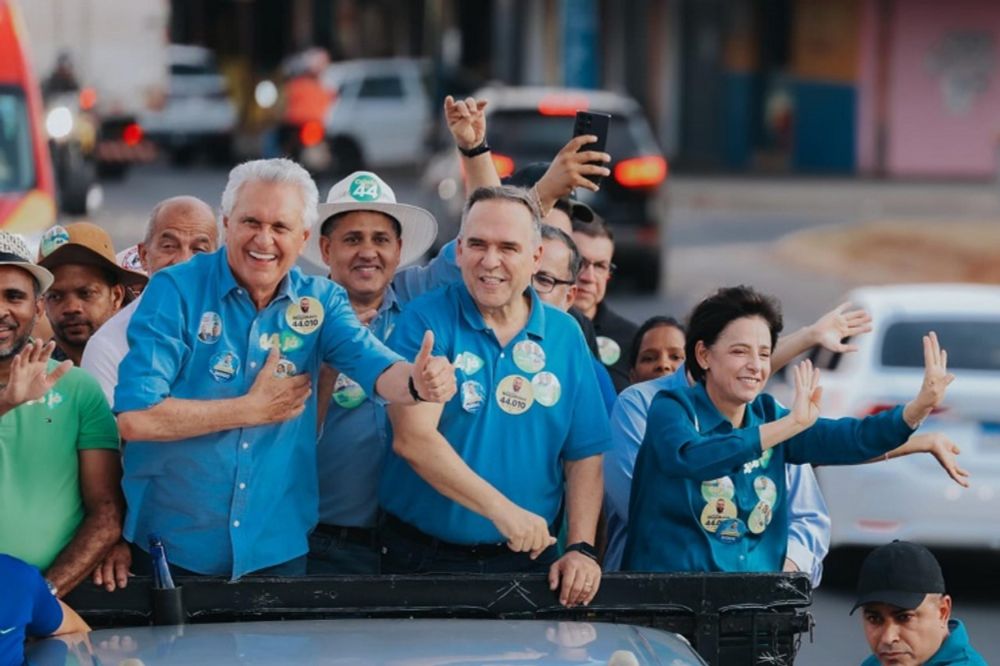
point(906, 612)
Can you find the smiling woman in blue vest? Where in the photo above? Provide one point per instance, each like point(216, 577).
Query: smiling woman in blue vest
point(709, 487)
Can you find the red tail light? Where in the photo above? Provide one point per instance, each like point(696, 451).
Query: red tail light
point(88, 99)
point(311, 133)
point(132, 134)
point(641, 172)
point(563, 105)
point(503, 164)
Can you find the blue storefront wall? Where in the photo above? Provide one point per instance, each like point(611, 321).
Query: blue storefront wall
point(825, 127)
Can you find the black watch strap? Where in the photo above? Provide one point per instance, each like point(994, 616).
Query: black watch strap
point(477, 150)
point(413, 391)
point(584, 548)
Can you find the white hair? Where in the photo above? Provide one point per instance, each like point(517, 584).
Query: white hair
point(277, 170)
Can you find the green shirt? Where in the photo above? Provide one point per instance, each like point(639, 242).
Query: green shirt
point(40, 503)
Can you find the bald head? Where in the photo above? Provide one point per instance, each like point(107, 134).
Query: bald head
point(178, 228)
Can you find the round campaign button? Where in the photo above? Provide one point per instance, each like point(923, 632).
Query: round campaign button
point(473, 396)
point(529, 356)
point(209, 327)
point(347, 393)
point(608, 350)
point(765, 489)
point(731, 530)
point(284, 368)
point(53, 239)
point(365, 188)
point(721, 487)
point(304, 315)
point(760, 517)
point(546, 388)
point(224, 366)
point(514, 394)
point(468, 363)
point(715, 512)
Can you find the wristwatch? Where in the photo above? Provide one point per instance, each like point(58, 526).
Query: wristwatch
point(413, 391)
point(476, 150)
point(584, 548)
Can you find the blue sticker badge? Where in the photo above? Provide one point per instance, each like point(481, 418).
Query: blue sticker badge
point(473, 396)
point(224, 366)
point(731, 530)
point(210, 327)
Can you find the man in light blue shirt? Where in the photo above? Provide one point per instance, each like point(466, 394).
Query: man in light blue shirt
point(365, 235)
point(477, 485)
point(214, 396)
point(809, 519)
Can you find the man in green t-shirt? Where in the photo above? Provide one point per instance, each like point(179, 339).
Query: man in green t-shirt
point(59, 465)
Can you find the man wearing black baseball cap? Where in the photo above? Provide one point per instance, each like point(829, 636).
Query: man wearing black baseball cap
point(906, 612)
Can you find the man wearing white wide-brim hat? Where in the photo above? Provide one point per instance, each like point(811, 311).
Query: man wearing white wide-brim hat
point(368, 241)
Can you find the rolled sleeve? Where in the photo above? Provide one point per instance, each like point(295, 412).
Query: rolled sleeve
point(352, 348)
point(157, 348)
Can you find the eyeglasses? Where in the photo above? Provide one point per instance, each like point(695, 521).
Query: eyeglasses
point(600, 267)
point(545, 283)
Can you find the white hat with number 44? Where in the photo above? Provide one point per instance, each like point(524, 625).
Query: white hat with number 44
point(363, 190)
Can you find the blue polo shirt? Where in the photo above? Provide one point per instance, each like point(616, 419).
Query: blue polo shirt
point(521, 411)
point(27, 609)
point(705, 497)
point(240, 500)
point(355, 436)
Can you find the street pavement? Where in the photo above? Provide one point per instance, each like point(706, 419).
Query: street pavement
point(721, 231)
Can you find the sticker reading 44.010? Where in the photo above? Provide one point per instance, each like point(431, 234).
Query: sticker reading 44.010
point(514, 394)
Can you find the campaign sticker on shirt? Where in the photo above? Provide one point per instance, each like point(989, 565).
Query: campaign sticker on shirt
point(209, 327)
point(762, 462)
point(468, 363)
point(224, 366)
point(608, 350)
point(765, 489)
point(529, 356)
point(473, 396)
point(715, 512)
point(305, 315)
point(53, 239)
point(348, 393)
point(514, 394)
point(760, 517)
point(284, 368)
point(731, 530)
point(721, 487)
point(546, 388)
point(51, 400)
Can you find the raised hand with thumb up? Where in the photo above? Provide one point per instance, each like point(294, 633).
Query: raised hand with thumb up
point(432, 377)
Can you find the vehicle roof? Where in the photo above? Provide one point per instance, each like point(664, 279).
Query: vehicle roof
point(375, 641)
point(530, 97)
point(189, 54)
point(931, 298)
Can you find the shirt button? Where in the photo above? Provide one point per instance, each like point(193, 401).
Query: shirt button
point(236, 523)
point(243, 486)
point(246, 445)
point(502, 355)
point(253, 364)
point(239, 291)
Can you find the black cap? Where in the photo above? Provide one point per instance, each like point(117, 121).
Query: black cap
point(900, 574)
point(531, 174)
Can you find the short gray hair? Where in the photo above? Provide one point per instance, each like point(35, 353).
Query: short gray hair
point(517, 195)
point(277, 170)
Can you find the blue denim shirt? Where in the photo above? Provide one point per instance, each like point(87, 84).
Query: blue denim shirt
point(705, 497)
point(235, 501)
point(355, 435)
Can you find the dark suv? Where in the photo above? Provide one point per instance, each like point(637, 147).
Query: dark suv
point(526, 125)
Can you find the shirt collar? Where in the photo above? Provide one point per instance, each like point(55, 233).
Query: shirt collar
point(474, 318)
point(954, 643)
point(709, 416)
point(227, 281)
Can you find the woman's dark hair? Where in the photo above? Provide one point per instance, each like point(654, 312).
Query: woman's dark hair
point(710, 317)
point(647, 326)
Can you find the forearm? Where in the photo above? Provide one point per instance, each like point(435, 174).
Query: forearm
point(584, 495)
point(791, 345)
point(479, 172)
point(99, 531)
point(175, 419)
point(394, 384)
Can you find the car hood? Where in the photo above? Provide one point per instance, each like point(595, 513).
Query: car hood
point(378, 641)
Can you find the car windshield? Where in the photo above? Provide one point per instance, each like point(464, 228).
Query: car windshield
point(17, 164)
point(530, 134)
point(972, 344)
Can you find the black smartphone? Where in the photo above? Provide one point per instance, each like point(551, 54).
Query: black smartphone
point(596, 123)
